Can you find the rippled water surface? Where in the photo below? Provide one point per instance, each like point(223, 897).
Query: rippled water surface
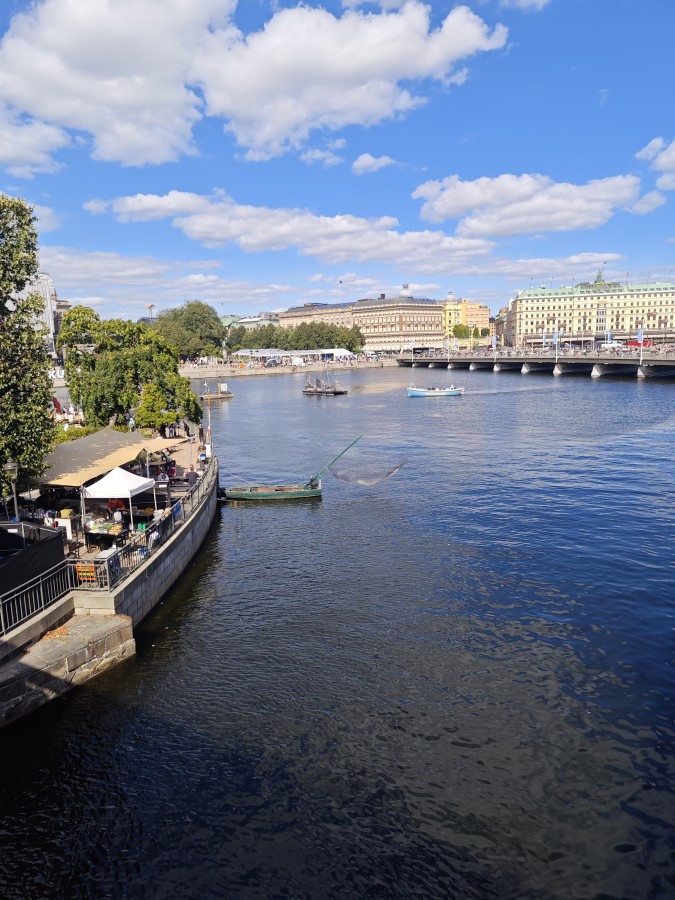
point(456, 683)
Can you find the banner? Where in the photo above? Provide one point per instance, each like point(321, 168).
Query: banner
point(640, 337)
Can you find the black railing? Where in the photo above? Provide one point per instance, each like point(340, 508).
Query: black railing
point(20, 604)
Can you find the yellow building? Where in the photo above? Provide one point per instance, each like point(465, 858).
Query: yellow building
point(592, 311)
point(460, 311)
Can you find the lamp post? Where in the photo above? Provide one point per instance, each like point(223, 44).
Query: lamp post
point(12, 469)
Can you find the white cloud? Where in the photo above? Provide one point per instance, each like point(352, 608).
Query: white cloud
point(662, 158)
point(26, 145)
point(327, 157)
point(527, 5)
point(136, 75)
point(47, 219)
point(649, 202)
point(652, 150)
point(219, 220)
point(524, 204)
point(368, 163)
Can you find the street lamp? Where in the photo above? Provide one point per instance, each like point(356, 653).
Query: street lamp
point(12, 469)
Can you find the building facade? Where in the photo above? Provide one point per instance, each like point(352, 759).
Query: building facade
point(388, 325)
point(591, 311)
point(54, 308)
point(460, 311)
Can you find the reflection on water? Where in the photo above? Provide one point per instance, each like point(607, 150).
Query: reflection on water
point(455, 683)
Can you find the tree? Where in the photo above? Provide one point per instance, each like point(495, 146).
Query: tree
point(18, 248)
point(27, 430)
point(110, 366)
point(194, 329)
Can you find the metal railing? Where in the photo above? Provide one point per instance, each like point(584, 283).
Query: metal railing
point(20, 604)
point(108, 573)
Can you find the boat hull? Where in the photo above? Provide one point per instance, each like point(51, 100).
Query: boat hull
point(273, 492)
point(434, 392)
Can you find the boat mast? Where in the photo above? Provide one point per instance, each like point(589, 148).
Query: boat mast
point(321, 471)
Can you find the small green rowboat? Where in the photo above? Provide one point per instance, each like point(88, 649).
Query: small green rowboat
point(311, 490)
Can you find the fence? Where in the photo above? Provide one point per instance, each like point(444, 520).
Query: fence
point(71, 574)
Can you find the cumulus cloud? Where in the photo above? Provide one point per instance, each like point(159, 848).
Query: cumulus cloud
point(524, 204)
point(662, 158)
point(219, 220)
point(136, 75)
point(368, 163)
point(27, 145)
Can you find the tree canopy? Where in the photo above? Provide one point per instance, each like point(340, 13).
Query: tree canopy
point(115, 367)
point(194, 329)
point(307, 336)
point(27, 429)
point(18, 247)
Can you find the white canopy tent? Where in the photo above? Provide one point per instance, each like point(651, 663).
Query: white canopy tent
point(117, 485)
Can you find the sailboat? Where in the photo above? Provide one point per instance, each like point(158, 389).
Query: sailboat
point(310, 490)
point(323, 387)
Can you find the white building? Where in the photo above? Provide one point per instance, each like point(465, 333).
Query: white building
point(43, 285)
point(592, 311)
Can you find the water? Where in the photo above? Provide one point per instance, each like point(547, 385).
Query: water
point(456, 683)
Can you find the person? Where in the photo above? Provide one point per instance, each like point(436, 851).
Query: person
point(132, 423)
point(114, 505)
point(201, 434)
point(162, 476)
point(118, 517)
point(192, 477)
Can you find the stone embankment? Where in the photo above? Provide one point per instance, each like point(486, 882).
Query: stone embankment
point(227, 371)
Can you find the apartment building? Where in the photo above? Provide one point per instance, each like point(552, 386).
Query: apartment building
point(460, 311)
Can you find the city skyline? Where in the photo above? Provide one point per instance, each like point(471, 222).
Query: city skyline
point(259, 156)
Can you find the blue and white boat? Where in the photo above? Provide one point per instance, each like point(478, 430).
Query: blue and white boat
point(451, 391)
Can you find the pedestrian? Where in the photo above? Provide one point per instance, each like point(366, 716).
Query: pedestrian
point(132, 423)
point(192, 477)
point(201, 433)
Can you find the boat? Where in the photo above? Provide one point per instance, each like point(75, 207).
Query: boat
point(223, 393)
point(451, 391)
point(323, 387)
point(310, 490)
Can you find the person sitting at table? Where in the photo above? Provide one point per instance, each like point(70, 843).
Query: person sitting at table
point(114, 505)
point(163, 477)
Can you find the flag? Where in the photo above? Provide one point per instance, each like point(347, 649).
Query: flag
point(609, 337)
point(494, 342)
point(447, 343)
point(639, 335)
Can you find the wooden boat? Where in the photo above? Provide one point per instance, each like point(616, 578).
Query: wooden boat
point(323, 387)
point(311, 490)
point(451, 391)
point(223, 393)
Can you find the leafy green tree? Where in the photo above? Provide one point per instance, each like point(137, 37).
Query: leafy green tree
point(18, 248)
point(194, 329)
point(109, 364)
point(27, 430)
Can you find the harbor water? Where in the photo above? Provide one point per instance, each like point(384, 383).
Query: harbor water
point(457, 682)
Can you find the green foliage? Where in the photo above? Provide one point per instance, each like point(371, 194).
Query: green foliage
point(307, 336)
point(18, 248)
point(110, 365)
point(64, 436)
point(194, 329)
point(26, 426)
point(484, 332)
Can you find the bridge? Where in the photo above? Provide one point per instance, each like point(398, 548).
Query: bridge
point(597, 365)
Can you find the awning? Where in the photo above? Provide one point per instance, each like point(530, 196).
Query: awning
point(75, 462)
point(117, 484)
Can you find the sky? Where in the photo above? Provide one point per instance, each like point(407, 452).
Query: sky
point(260, 155)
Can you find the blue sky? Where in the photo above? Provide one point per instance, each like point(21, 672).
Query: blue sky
point(261, 155)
